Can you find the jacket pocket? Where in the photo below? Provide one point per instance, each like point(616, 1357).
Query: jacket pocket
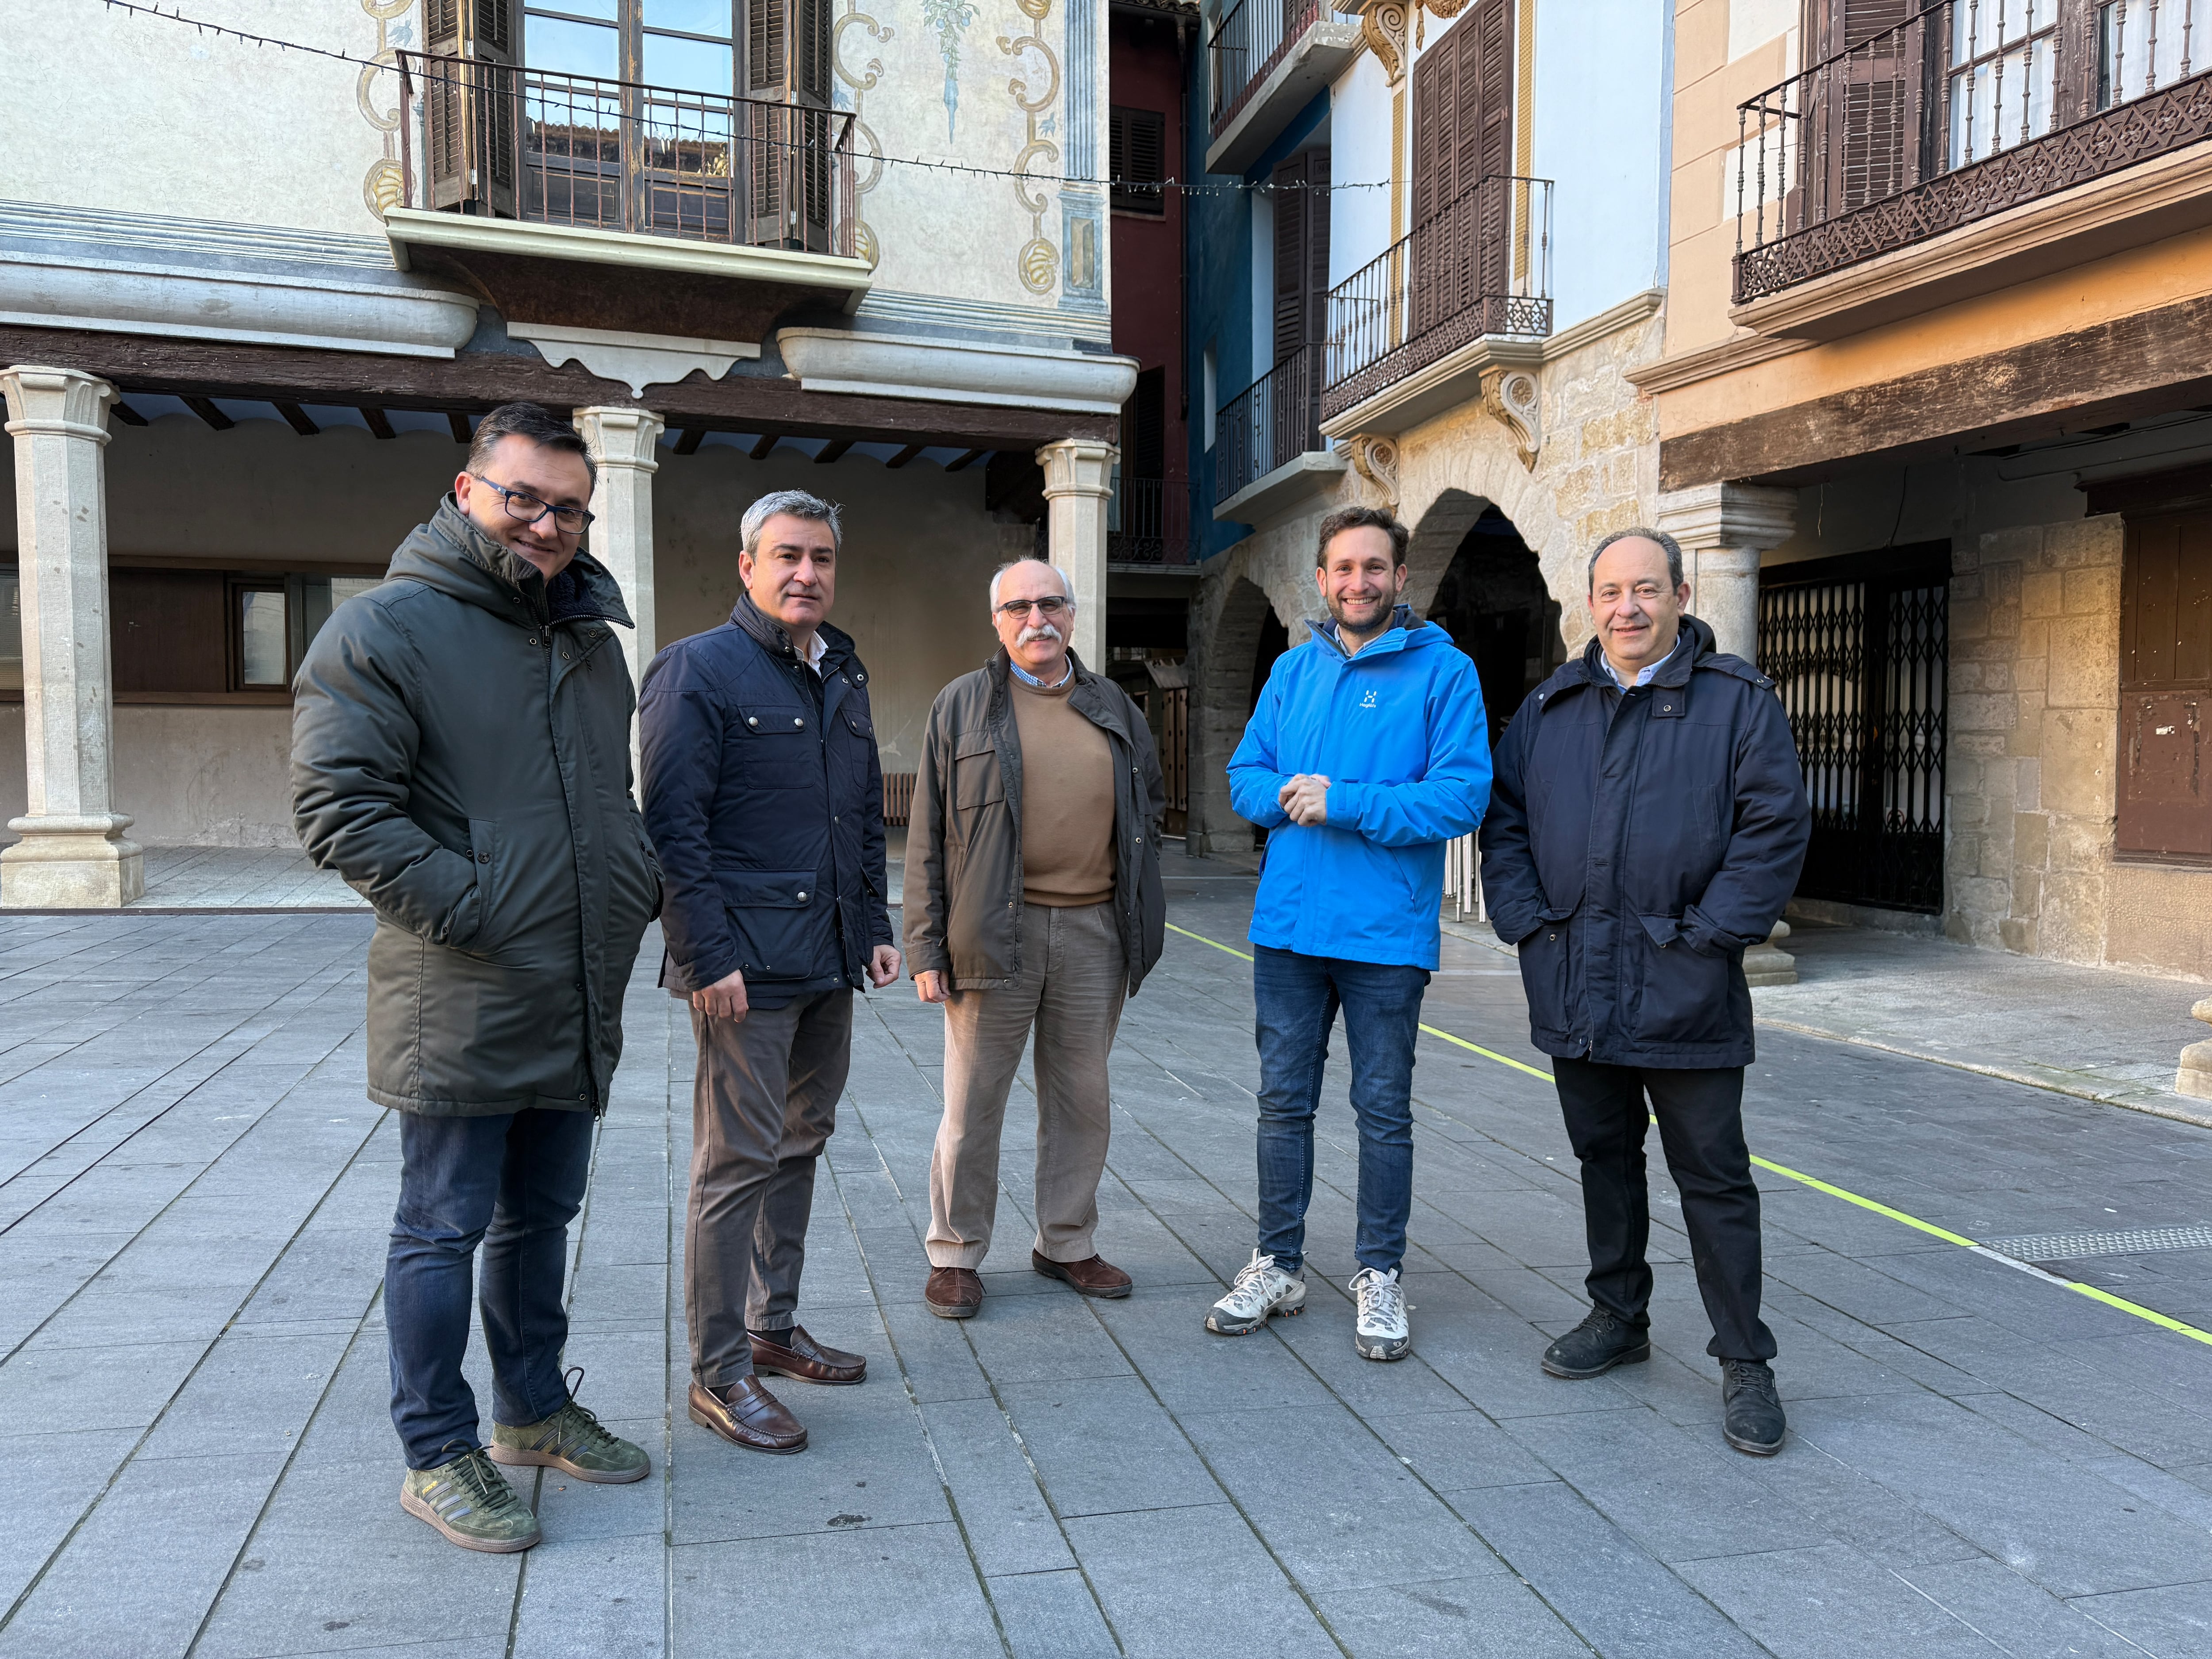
point(1546, 958)
point(773, 917)
point(778, 746)
point(1682, 997)
point(486, 853)
point(977, 780)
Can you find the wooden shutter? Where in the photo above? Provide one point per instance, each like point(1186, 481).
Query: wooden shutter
point(1435, 118)
point(474, 110)
point(1863, 111)
point(1463, 135)
point(2164, 807)
point(1137, 158)
point(1144, 427)
point(1290, 259)
point(814, 50)
point(766, 44)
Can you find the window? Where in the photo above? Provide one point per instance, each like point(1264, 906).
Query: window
point(1210, 374)
point(1138, 154)
point(260, 643)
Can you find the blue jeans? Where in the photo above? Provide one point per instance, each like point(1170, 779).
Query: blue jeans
point(1294, 999)
point(514, 1181)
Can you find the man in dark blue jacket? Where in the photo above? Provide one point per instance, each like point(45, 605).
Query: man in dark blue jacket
point(764, 799)
point(1646, 827)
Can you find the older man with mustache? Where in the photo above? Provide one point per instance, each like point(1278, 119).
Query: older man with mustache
point(1033, 905)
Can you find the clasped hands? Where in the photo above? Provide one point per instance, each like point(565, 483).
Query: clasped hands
point(1305, 798)
point(726, 998)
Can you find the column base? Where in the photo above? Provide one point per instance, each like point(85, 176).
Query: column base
point(1767, 963)
point(2194, 1076)
point(71, 864)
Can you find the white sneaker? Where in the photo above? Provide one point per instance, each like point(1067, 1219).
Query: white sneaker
point(1261, 1288)
point(1381, 1332)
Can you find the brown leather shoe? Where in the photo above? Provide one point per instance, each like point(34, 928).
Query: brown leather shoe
point(746, 1414)
point(954, 1293)
point(1092, 1276)
point(802, 1357)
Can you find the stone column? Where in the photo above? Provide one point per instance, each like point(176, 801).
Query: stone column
point(1723, 528)
point(73, 853)
point(1079, 483)
point(623, 441)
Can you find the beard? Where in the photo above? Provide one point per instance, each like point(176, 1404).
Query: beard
point(1371, 616)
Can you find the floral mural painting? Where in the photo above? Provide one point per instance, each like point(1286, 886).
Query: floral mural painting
point(948, 18)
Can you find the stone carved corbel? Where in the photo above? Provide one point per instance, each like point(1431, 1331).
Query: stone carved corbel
point(1512, 396)
point(1383, 23)
point(1376, 460)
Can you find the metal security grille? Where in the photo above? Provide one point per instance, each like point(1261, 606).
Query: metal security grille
point(1857, 648)
point(2076, 1247)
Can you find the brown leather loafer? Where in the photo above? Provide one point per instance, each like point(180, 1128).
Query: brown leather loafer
point(802, 1357)
point(746, 1414)
point(1092, 1276)
point(953, 1292)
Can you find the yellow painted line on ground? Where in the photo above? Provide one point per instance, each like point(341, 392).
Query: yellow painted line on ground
point(1833, 1191)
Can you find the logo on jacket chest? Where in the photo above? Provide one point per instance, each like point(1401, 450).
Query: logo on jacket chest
point(1367, 700)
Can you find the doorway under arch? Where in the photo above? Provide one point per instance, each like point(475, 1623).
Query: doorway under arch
point(1493, 602)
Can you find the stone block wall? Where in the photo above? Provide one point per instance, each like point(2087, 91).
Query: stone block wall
point(2033, 721)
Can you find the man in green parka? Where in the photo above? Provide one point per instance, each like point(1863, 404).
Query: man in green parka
point(460, 755)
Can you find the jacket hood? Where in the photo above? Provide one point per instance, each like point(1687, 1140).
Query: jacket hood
point(451, 556)
point(775, 638)
point(1419, 634)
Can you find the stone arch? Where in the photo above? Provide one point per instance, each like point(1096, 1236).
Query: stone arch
point(1494, 601)
point(1226, 628)
point(1435, 542)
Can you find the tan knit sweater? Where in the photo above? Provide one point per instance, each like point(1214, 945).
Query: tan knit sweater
point(1067, 800)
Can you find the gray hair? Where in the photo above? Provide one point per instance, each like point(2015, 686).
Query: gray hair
point(1065, 586)
point(800, 505)
point(1672, 548)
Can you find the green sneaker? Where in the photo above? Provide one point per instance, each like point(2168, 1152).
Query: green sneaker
point(572, 1441)
point(470, 1502)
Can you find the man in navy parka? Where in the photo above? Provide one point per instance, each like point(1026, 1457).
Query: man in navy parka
point(1368, 751)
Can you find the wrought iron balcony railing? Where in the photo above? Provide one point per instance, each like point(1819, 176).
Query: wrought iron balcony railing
point(1268, 424)
point(1148, 522)
point(1963, 109)
point(1248, 42)
point(1481, 266)
point(577, 149)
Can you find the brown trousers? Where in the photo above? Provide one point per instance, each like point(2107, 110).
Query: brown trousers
point(1074, 976)
point(763, 1105)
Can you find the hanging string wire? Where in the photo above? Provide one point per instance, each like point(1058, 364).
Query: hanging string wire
point(1201, 187)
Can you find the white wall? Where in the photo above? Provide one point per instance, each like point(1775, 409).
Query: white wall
point(1359, 153)
point(1599, 120)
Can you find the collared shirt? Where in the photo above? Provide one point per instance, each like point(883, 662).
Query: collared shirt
point(1029, 678)
point(1643, 675)
point(815, 653)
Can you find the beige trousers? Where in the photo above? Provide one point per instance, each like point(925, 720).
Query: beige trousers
point(1073, 978)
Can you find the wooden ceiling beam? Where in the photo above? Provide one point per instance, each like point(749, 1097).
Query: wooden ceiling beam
point(379, 423)
point(206, 408)
point(830, 450)
point(458, 424)
point(765, 442)
point(689, 442)
point(905, 455)
point(128, 416)
point(298, 420)
point(962, 463)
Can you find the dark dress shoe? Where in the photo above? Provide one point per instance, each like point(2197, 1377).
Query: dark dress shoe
point(953, 1292)
point(746, 1414)
point(1596, 1346)
point(1092, 1276)
point(1751, 1419)
point(800, 1355)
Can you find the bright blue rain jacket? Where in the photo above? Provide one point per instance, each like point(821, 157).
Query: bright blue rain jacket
point(1399, 731)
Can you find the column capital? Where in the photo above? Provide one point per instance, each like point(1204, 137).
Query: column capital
point(44, 401)
point(1078, 466)
point(621, 435)
point(1730, 515)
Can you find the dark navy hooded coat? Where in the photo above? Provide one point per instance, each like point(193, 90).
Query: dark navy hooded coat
point(1637, 843)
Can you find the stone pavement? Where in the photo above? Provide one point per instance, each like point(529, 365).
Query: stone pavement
point(193, 1196)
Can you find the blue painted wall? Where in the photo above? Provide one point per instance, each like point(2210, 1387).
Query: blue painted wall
point(1221, 256)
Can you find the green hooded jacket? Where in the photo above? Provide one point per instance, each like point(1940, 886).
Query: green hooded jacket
point(460, 755)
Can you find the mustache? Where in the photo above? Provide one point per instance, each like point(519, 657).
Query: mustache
point(1038, 631)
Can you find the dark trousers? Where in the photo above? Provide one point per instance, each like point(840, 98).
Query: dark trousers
point(762, 1106)
point(1294, 999)
point(1700, 1114)
point(513, 1182)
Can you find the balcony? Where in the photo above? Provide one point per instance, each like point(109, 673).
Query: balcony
point(1411, 332)
point(1148, 523)
point(1967, 148)
point(594, 208)
point(1267, 447)
point(1269, 57)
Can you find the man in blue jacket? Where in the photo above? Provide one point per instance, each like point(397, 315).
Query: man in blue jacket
point(1366, 754)
point(764, 799)
point(1648, 828)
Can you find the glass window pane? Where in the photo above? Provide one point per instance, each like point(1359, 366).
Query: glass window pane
point(569, 48)
point(11, 631)
point(687, 65)
point(606, 8)
point(695, 16)
point(261, 637)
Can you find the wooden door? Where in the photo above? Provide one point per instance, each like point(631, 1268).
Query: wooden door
point(2166, 688)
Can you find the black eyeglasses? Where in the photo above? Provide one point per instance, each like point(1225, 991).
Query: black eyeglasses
point(1051, 605)
point(520, 504)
